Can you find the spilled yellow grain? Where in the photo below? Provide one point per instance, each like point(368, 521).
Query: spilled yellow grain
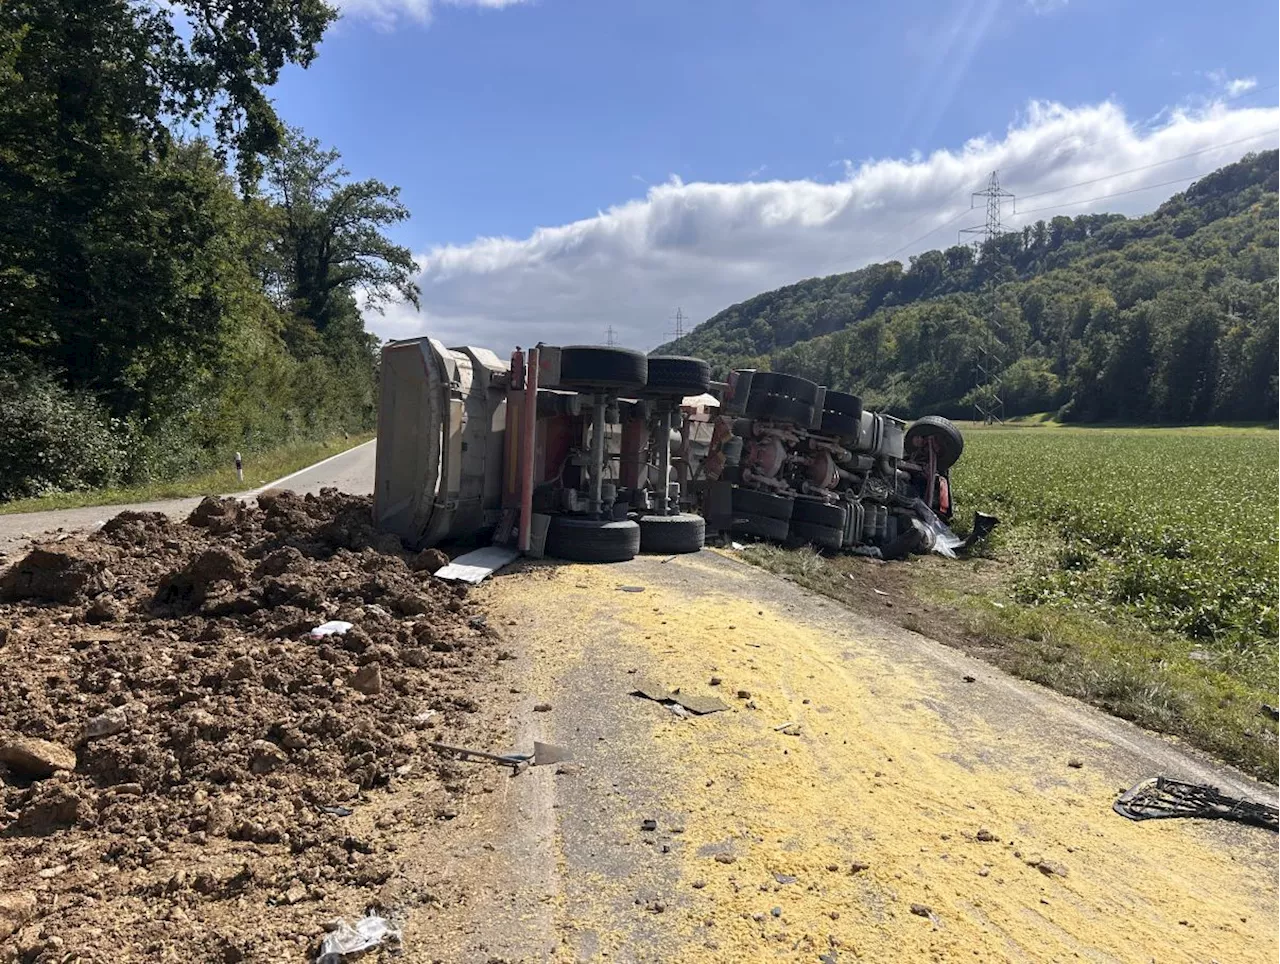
point(883, 774)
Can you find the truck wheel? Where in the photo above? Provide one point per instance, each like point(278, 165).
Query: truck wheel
point(817, 513)
point(761, 526)
point(666, 534)
point(823, 537)
point(677, 375)
point(950, 442)
point(586, 367)
point(754, 503)
point(779, 408)
point(592, 540)
point(842, 403)
point(792, 386)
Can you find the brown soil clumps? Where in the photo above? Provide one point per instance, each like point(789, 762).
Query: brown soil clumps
point(178, 754)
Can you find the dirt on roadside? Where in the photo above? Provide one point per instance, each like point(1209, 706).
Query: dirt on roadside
point(186, 772)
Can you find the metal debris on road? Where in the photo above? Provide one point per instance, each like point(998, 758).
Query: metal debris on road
point(337, 811)
point(1161, 798)
point(475, 566)
point(542, 755)
point(698, 705)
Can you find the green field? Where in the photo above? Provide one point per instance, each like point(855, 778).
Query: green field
point(1174, 528)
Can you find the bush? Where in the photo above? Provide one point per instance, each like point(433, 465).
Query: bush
point(53, 439)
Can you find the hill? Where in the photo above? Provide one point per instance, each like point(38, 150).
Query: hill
point(1169, 317)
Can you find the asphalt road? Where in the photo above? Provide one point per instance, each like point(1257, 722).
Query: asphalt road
point(351, 471)
point(926, 806)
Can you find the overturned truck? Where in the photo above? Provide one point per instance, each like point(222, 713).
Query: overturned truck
point(596, 453)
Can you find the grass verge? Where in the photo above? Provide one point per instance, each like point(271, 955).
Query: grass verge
point(259, 469)
point(1158, 680)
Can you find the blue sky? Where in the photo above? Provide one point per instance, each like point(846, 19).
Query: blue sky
point(498, 118)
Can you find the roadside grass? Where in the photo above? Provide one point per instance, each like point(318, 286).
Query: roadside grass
point(1132, 569)
point(259, 469)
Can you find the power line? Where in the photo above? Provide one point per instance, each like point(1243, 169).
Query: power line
point(1103, 197)
point(1147, 167)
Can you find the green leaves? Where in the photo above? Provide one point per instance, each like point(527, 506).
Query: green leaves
point(1178, 528)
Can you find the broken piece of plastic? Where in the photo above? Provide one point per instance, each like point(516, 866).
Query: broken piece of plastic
point(370, 931)
point(335, 627)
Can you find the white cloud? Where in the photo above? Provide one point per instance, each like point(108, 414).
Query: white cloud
point(704, 246)
point(1241, 84)
point(1045, 6)
point(387, 13)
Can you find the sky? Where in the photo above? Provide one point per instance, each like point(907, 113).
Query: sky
point(578, 165)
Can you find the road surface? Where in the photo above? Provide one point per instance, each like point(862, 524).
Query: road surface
point(351, 471)
point(857, 838)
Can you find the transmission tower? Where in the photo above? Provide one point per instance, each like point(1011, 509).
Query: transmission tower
point(987, 401)
point(610, 338)
point(677, 331)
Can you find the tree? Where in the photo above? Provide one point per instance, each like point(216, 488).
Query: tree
point(332, 242)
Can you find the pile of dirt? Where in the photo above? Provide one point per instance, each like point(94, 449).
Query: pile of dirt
point(172, 732)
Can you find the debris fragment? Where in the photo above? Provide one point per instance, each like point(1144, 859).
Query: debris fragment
point(112, 721)
point(1075, 764)
point(648, 825)
point(788, 729)
point(631, 588)
point(542, 708)
point(784, 878)
point(335, 627)
point(698, 705)
point(923, 910)
point(1161, 797)
point(879, 592)
point(344, 940)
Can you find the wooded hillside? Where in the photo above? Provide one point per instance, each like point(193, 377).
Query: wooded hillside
point(1170, 317)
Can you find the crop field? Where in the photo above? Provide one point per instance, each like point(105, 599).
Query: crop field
point(1176, 528)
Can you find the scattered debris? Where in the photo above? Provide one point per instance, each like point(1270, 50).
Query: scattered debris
point(1160, 798)
point(923, 910)
point(698, 705)
point(335, 811)
point(542, 755)
point(879, 592)
point(631, 588)
point(648, 825)
point(335, 627)
point(784, 878)
point(344, 940)
point(971, 679)
point(474, 567)
point(789, 729)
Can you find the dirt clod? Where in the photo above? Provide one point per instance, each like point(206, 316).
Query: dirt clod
point(36, 758)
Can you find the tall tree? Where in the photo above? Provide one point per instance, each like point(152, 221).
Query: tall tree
point(333, 244)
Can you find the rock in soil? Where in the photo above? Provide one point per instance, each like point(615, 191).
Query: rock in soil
point(36, 758)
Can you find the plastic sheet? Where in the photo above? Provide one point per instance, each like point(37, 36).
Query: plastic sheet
point(943, 541)
point(369, 932)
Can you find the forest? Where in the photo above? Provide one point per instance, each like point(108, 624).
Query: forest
point(1166, 318)
point(181, 273)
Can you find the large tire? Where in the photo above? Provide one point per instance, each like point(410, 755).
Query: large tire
point(677, 375)
point(792, 386)
point(751, 502)
point(842, 403)
point(840, 425)
point(762, 527)
point(779, 408)
point(815, 512)
point(592, 540)
point(594, 367)
point(822, 537)
point(950, 442)
point(666, 534)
